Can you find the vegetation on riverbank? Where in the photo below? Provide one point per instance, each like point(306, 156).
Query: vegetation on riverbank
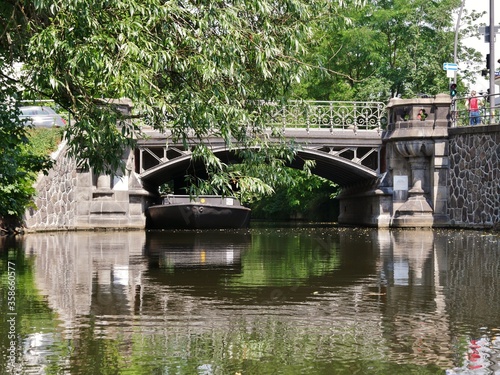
point(43, 141)
point(306, 197)
point(20, 162)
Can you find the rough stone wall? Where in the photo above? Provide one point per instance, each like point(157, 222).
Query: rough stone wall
point(474, 183)
point(55, 204)
point(71, 199)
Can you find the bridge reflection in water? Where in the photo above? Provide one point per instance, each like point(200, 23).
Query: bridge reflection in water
point(316, 296)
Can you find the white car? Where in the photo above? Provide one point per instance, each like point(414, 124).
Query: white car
point(41, 117)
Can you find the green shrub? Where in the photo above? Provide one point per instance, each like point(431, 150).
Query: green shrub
point(24, 154)
point(43, 141)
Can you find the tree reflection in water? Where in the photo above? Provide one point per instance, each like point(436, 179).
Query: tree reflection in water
point(310, 300)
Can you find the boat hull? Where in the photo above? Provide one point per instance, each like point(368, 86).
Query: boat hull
point(197, 216)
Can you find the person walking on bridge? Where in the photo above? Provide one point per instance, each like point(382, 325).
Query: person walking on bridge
point(472, 104)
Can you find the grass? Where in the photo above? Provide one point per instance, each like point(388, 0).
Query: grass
point(44, 141)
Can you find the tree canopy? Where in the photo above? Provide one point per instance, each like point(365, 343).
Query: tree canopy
point(195, 67)
point(388, 48)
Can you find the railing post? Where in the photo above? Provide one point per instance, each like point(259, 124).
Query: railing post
point(355, 119)
point(379, 125)
point(330, 109)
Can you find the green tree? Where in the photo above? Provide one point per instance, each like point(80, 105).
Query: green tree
point(19, 164)
point(193, 67)
point(389, 48)
point(302, 196)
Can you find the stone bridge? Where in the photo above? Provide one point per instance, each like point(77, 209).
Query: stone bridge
point(396, 168)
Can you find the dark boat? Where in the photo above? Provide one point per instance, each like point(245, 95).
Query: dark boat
point(203, 212)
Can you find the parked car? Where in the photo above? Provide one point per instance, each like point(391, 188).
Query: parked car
point(42, 116)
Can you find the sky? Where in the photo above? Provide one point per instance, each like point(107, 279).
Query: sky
point(482, 83)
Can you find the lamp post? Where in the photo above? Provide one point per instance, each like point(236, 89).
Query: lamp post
point(492, 59)
point(457, 28)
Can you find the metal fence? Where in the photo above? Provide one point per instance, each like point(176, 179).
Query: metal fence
point(345, 115)
point(307, 114)
point(328, 114)
point(488, 115)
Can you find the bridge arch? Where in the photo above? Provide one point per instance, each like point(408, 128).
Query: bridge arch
point(330, 166)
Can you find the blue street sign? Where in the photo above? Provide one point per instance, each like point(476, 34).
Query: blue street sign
point(450, 66)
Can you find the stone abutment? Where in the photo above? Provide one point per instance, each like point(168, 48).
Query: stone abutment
point(436, 175)
point(71, 199)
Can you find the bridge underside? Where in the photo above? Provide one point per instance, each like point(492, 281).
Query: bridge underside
point(346, 166)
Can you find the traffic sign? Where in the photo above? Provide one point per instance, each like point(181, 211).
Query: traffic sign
point(486, 31)
point(450, 66)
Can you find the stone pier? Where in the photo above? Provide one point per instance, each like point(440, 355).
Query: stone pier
point(416, 144)
point(413, 188)
point(69, 198)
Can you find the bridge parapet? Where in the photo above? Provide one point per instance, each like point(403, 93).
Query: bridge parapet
point(328, 115)
point(423, 117)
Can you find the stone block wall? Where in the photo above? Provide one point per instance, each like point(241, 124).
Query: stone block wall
point(55, 199)
point(474, 176)
point(71, 199)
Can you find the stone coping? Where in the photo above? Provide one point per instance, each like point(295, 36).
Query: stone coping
point(474, 129)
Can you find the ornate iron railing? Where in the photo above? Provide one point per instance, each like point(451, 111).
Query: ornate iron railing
point(329, 114)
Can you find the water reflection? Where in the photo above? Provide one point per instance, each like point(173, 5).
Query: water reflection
point(202, 249)
point(310, 300)
point(87, 273)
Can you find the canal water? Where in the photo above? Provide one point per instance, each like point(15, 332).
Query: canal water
point(268, 300)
